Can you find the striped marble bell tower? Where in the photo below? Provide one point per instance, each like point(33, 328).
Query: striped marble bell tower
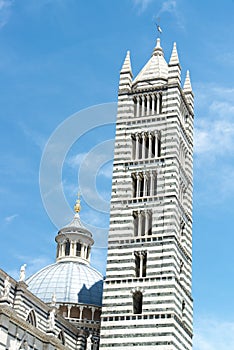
point(147, 302)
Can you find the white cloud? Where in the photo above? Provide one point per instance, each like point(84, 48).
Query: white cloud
point(5, 3)
point(5, 11)
point(76, 160)
point(9, 219)
point(214, 137)
point(214, 134)
point(142, 4)
point(106, 170)
point(36, 264)
point(214, 143)
point(98, 258)
point(37, 138)
point(226, 58)
point(170, 6)
point(33, 265)
point(213, 334)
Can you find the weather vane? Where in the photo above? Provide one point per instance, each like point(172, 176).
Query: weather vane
point(159, 29)
point(77, 206)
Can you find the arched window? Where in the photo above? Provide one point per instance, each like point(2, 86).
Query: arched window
point(61, 337)
point(31, 318)
point(137, 264)
point(137, 303)
point(141, 186)
point(183, 305)
point(57, 251)
point(134, 185)
point(135, 223)
point(159, 147)
point(78, 249)
point(67, 248)
point(144, 264)
point(182, 227)
point(140, 263)
point(88, 252)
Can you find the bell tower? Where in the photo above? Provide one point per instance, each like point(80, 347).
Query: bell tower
point(147, 301)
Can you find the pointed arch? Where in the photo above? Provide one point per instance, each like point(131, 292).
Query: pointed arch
point(31, 318)
point(61, 337)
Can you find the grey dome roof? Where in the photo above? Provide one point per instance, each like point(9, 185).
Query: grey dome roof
point(71, 282)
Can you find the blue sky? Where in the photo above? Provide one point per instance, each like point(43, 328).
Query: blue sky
point(59, 57)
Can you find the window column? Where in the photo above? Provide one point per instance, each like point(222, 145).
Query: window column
point(63, 248)
point(139, 223)
point(158, 103)
point(141, 264)
point(143, 146)
point(137, 106)
point(137, 146)
point(145, 185)
point(138, 177)
point(153, 103)
point(150, 146)
point(156, 144)
point(151, 183)
point(148, 104)
point(147, 222)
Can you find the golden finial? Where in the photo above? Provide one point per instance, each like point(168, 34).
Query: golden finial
point(77, 206)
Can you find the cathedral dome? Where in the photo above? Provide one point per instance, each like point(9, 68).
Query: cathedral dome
point(71, 282)
point(71, 279)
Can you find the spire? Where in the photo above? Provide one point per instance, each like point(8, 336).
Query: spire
point(125, 82)
point(158, 50)
point(126, 68)
point(187, 83)
point(188, 90)
point(174, 60)
point(174, 74)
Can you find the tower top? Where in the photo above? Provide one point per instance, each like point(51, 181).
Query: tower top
point(155, 71)
point(174, 60)
point(158, 50)
point(75, 239)
point(187, 83)
point(126, 67)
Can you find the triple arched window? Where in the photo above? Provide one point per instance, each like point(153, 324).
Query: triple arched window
point(147, 104)
point(144, 184)
point(146, 145)
point(142, 221)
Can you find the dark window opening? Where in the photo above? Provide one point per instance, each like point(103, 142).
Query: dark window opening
point(67, 248)
point(78, 249)
point(137, 303)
